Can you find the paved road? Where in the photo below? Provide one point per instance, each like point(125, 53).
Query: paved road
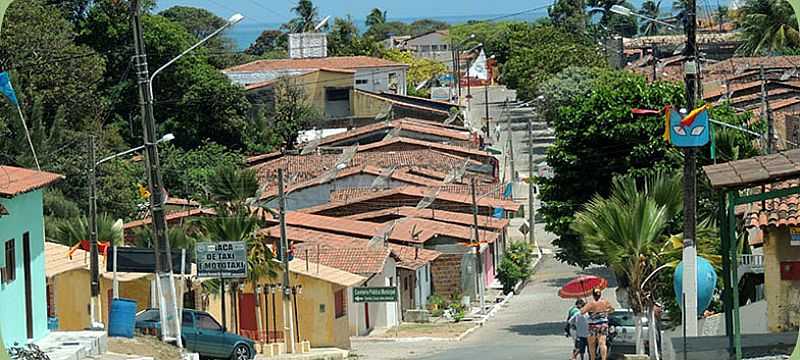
point(529, 327)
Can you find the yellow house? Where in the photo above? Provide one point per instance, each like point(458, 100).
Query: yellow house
point(68, 290)
point(330, 91)
point(320, 305)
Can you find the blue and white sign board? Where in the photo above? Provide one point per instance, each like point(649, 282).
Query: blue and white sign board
point(222, 259)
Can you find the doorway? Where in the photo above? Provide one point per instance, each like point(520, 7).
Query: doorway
point(26, 261)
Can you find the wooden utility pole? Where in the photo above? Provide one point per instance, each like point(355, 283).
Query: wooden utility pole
point(767, 113)
point(689, 285)
point(288, 325)
point(94, 254)
point(477, 244)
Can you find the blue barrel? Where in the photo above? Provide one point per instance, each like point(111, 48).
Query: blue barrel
point(52, 323)
point(122, 318)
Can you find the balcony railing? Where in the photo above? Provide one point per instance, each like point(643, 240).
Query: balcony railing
point(751, 263)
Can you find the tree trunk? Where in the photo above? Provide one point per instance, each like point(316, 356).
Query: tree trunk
point(652, 329)
point(639, 338)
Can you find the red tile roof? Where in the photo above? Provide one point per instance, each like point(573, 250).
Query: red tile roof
point(362, 261)
point(413, 144)
point(483, 190)
point(778, 212)
point(333, 62)
point(410, 257)
point(423, 127)
point(466, 233)
point(438, 215)
point(16, 180)
point(361, 229)
point(411, 191)
point(301, 168)
point(177, 215)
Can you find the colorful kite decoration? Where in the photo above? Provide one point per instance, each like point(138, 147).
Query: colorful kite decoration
point(689, 131)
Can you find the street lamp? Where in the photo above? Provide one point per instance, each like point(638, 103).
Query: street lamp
point(233, 20)
point(94, 261)
point(621, 10)
point(455, 50)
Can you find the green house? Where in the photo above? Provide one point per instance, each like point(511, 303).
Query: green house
point(23, 292)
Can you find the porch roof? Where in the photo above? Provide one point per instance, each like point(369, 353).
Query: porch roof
point(759, 170)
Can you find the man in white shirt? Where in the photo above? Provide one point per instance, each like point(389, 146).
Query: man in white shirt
point(580, 322)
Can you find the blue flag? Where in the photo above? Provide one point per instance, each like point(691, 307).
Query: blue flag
point(7, 89)
point(508, 191)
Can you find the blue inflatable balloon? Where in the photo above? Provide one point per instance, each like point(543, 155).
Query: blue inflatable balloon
point(706, 282)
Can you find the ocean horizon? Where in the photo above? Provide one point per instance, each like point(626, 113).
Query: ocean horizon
point(245, 33)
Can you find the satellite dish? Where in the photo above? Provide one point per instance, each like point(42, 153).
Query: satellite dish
point(322, 23)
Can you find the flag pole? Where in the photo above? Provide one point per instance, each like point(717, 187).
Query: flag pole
point(28, 136)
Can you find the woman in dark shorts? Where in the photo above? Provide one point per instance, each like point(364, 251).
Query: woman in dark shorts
point(598, 311)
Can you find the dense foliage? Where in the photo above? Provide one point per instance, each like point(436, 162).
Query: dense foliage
point(515, 266)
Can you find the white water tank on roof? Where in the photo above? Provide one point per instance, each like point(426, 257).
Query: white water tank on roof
point(308, 45)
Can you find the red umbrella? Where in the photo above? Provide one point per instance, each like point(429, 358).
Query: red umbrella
point(582, 286)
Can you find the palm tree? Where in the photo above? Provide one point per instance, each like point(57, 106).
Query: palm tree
point(767, 26)
point(307, 17)
point(233, 191)
point(375, 17)
point(70, 231)
point(626, 230)
point(652, 10)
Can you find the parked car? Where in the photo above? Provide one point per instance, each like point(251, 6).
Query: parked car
point(624, 326)
point(202, 334)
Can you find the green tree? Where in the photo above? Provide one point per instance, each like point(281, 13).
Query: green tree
point(307, 18)
point(292, 111)
point(495, 36)
point(539, 52)
point(626, 228)
point(270, 41)
point(344, 40)
point(187, 173)
point(651, 9)
point(767, 26)
point(383, 31)
point(568, 14)
point(598, 138)
point(71, 231)
point(422, 26)
point(375, 17)
point(201, 23)
point(419, 69)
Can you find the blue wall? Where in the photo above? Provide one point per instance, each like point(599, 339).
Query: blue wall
point(25, 215)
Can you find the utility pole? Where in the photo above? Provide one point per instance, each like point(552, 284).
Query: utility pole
point(288, 327)
point(454, 73)
point(478, 263)
point(531, 193)
point(510, 141)
point(689, 284)
point(157, 198)
point(767, 112)
point(486, 104)
point(94, 261)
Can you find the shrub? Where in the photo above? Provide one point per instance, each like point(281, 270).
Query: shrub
point(515, 266)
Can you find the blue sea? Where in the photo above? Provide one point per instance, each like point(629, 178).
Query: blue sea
point(246, 32)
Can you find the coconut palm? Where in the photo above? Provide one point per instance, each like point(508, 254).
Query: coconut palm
point(307, 17)
point(767, 26)
point(70, 231)
point(375, 17)
point(626, 230)
point(233, 190)
point(650, 9)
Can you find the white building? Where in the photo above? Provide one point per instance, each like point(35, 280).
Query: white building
point(371, 74)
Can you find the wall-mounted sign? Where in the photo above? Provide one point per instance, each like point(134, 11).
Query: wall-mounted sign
point(794, 235)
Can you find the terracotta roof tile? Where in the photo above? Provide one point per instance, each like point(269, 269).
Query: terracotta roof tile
point(355, 228)
point(438, 215)
point(333, 62)
point(423, 127)
point(778, 212)
point(362, 261)
point(16, 180)
point(325, 273)
point(484, 190)
point(414, 144)
point(410, 257)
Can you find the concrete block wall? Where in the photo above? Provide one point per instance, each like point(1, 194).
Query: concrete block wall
point(446, 273)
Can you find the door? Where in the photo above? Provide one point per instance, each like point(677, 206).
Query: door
point(209, 336)
point(247, 316)
point(188, 331)
point(26, 261)
point(366, 316)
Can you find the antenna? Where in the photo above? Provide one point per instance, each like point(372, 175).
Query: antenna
point(382, 180)
point(429, 198)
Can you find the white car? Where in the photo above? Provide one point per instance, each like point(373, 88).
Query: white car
point(624, 326)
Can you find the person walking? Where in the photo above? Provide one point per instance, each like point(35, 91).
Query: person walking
point(579, 323)
point(598, 311)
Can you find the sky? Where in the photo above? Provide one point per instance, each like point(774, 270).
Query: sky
point(277, 11)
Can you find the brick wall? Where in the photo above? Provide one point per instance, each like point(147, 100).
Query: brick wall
point(446, 273)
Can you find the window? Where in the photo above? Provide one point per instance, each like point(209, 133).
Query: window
point(10, 271)
point(362, 81)
point(206, 322)
point(337, 94)
point(339, 304)
point(186, 319)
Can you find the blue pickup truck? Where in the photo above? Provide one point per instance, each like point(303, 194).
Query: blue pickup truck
point(201, 334)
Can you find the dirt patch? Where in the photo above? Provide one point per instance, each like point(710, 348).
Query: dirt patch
point(144, 346)
point(444, 330)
